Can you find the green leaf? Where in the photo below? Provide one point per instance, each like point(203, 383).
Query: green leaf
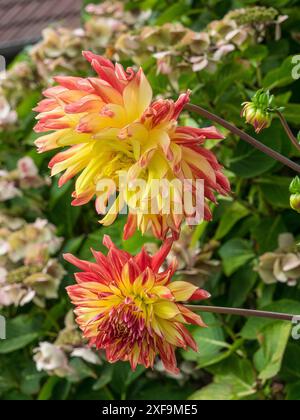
point(235, 253)
point(234, 380)
point(72, 245)
point(292, 114)
point(17, 343)
point(172, 13)
point(31, 379)
point(281, 76)
point(268, 358)
point(21, 331)
point(266, 233)
point(47, 389)
point(219, 391)
point(231, 216)
point(30, 100)
point(210, 341)
point(291, 363)
point(255, 326)
point(81, 370)
point(256, 53)
point(94, 240)
point(134, 244)
point(241, 283)
point(293, 392)
point(248, 162)
point(105, 378)
point(123, 377)
point(275, 190)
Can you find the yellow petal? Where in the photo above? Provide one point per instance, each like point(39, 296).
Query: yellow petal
point(137, 96)
point(182, 290)
point(165, 310)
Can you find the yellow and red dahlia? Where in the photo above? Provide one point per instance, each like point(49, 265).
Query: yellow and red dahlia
point(127, 306)
point(110, 125)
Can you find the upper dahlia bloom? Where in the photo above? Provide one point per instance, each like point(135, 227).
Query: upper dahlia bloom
point(130, 308)
point(110, 125)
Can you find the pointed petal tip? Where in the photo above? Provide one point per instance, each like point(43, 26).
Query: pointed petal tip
point(200, 294)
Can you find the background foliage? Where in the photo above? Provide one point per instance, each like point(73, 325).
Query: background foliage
point(237, 359)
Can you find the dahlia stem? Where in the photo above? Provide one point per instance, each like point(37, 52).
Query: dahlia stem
point(288, 130)
point(244, 136)
point(241, 312)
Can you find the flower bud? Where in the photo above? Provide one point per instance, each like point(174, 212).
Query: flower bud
point(295, 185)
point(295, 202)
point(295, 194)
point(257, 112)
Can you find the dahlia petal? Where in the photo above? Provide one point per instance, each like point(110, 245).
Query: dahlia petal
point(102, 61)
point(53, 92)
point(74, 83)
point(81, 264)
point(160, 257)
point(190, 342)
point(48, 142)
point(180, 103)
point(86, 277)
point(163, 292)
point(111, 215)
point(143, 259)
point(200, 295)
point(46, 105)
point(166, 310)
point(200, 163)
point(137, 96)
point(130, 226)
point(168, 358)
point(182, 290)
point(89, 103)
point(107, 93)
point(83, 198)
point(191, 317)
point(170, 332)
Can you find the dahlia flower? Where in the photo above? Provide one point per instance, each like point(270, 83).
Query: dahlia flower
point(112, 127)
point(130, 308)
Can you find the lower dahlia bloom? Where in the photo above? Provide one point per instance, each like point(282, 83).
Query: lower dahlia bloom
point(130, 308)
point(111, 126)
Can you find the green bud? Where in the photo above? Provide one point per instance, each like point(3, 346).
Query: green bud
point(263, 99)
point(295, 202)
point(295, 186)
point(259, 111)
